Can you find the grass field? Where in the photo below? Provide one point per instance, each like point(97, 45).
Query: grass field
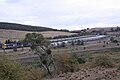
point(18, 35)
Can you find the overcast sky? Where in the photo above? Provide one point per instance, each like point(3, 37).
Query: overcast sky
point(61, 14)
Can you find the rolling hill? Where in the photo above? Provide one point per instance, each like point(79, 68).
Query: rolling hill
point(16, 31)
point(21, 27)
point(19, 35)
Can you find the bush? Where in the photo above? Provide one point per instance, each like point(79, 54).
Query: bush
point(103, 61)
point(10, 70)
point(118, 67)
point(34, 74)
point(103, 45)
point(13, 71)
point(66, 63)
point(80, 59)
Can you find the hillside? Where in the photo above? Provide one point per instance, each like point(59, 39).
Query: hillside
point(18, 35)
point(108, 29)
point(14, 26)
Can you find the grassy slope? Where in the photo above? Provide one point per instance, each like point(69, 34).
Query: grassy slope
point(15, 34)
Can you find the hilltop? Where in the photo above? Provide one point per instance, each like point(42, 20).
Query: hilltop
point(16, 31)
point(21, 27)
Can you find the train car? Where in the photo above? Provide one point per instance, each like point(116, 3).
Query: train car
point(13, 45)
point(27, 44)
point(18, 45)
point(7, 46)
point(1, 45)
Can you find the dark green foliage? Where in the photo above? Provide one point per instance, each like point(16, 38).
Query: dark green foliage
point(78, 42)
point(112, 29)
point(9, 41)
point(103, 45)
point(63, 44)
point(103, 61)
point(36, 40)
point(117, 28)
point(40, 46)
point(82, 42)
point(66, 63)
point(115, 41)
point(14, 26)
point(48, 51)
point(80, 59)
point(10, 71)
point(72, 43)
point(118, 67)
point(84, 48)
point(111, 39)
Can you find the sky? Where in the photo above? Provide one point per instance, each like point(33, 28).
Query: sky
point(62, 14)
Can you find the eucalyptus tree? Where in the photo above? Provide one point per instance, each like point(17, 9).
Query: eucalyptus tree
point(40, 47)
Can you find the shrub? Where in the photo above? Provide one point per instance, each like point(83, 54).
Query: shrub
point(118, 67)
point(103, 61)
point(34, 74)
point(80, 59)
point(13, 71)
point(115, 41)
point(66, 63)
point(10, 70)
point(103, 45)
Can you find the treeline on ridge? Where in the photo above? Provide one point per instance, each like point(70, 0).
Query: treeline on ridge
point(14, 26)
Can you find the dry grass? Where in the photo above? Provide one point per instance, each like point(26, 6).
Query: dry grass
point(17, 35)
point(55, 33)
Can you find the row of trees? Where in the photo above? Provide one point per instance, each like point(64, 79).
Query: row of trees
point(115, 30)
point(14, 26)
point(10, 41)
point(112, 39)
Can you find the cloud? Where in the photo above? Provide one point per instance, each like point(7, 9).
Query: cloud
point(67, 14)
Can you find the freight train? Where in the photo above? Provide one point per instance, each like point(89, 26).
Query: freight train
point(13, 45)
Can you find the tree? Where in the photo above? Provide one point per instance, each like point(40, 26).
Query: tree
point(88, 28)
point(115, 41)
point(78, 42)
point(112, 39)
point(72, 43)
point(112, 29)
point(117, 28)
point(63, 44)
point(40, 46)
point(82, 42)
point(8, 41)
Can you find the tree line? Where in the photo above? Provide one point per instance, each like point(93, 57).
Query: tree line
point(14, 26)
